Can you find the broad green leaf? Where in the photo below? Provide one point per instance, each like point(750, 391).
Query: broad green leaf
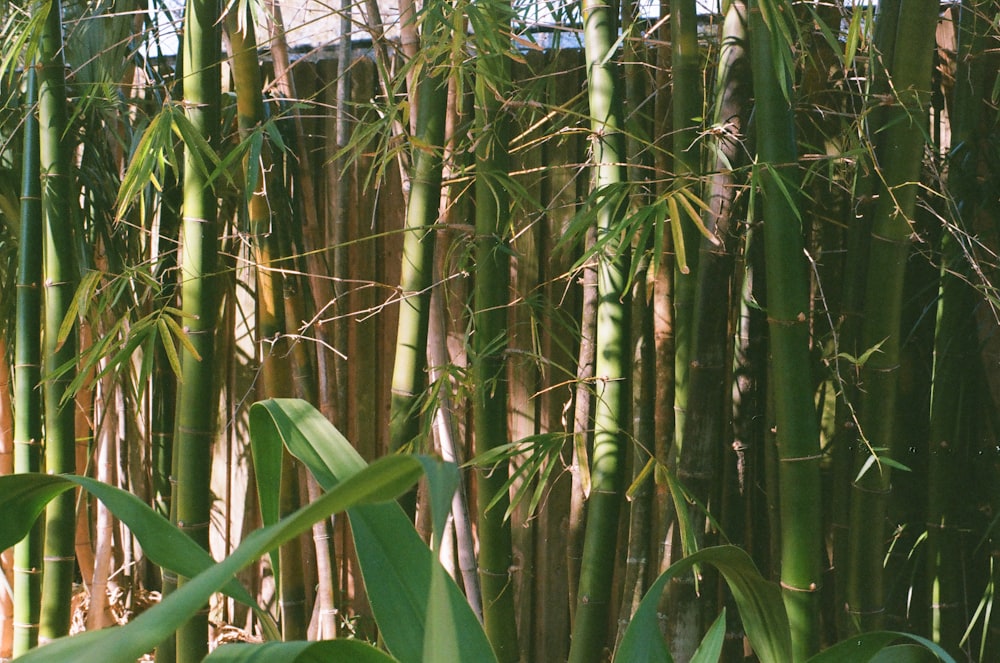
point(354, 651)
point(710, 648)
point(758, 600)
point(867, 647)
point(24, 496)
point(406, 596)
point(383, 480)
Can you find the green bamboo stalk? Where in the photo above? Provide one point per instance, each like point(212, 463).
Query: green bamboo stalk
point(409, 367)
point(709, 352)
point(855, 268)
point(196, 406)
point(491, 299)
point(952, 417)
point(61, 277)
point(612, 367)
point(687, 102)
point(27, 375)
point(899, 159)
point(638, 124)
point(788, 324)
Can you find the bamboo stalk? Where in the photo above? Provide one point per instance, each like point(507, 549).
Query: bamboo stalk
point(6, 467)
point(197, 394)
point(410, 357)
point(61, 277)
point(686, 96)
point(27, 374)
point(612, 376)
point(490, 311)
point(899, 158)
point(797, 434)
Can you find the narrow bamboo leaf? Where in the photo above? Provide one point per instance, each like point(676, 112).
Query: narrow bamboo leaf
point(168, 347)
point(85, 292)
point(640, 479)
point(680, 253)
point(181, 336)
point(866, 647)
point(680, 498)
point(354, 651)
point(395, 562)
point(853, 38)
point(758, 600)
point(685, 198)
point(149, 154)
point(710, 649)
point(383, 480)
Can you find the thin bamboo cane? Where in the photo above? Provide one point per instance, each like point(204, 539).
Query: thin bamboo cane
point(490, 311)
point(27, 375)
point(61, 276)
point(797, 434)
point(611, 370)
point(410, 357)
point(197, 394)
point(638, 124)
point(687, 102)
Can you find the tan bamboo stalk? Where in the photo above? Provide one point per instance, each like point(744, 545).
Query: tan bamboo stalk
point(271, 323)
point(6, 467)
point(314, 232)
point(111, 408)
point(85, 425)
point(444, 431)
point(582, 432)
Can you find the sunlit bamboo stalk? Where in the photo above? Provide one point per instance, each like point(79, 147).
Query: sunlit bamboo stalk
point(612, 366)
point(197, 394)
point(61, 277)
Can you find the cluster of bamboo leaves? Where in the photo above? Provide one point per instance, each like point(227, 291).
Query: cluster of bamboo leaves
point(769, 217)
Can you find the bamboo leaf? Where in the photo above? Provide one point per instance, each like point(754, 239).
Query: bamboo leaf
point(354, 651)
point(181, 335)
point(383, 480)
point(680, 253)
point(24, 496)
point(397, 566)
point(168, 347)
point(758, 600)
point(853, 38)
point(710, 649)
point(867, 647)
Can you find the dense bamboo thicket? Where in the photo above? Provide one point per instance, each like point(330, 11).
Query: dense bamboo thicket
point(699, 308)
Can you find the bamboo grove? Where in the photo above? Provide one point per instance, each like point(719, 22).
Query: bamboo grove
point(660, 280)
